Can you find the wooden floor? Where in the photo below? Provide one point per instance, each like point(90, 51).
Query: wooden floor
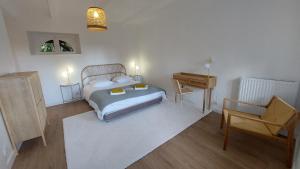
point(198, 147)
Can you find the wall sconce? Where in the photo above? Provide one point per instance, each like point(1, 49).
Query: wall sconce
point(67, 74)
point(137, 69)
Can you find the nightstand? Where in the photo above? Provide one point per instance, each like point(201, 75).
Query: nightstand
point(70, 92)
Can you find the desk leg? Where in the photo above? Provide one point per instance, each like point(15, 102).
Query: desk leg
point(204, 98)
point(209, 101)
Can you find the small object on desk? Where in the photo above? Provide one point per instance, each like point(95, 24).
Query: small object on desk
point(205, 82)
point(72, 90)
point(117, 91)
point(140, 87)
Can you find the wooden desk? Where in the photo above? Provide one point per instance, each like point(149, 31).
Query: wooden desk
point(205, 82)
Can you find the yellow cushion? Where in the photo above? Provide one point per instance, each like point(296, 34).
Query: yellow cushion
point(117, 90)
point(140, 85)
point(246, 124)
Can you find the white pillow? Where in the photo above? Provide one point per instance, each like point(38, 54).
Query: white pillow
point(122, 79)
point(101, 83)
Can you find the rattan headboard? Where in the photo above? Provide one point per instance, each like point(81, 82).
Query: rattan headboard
point(107, 71)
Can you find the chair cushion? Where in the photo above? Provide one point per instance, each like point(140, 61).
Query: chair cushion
point(246, 124)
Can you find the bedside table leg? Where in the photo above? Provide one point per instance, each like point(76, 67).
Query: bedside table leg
point(44, 140)
point(62, 95)
point(72, 93)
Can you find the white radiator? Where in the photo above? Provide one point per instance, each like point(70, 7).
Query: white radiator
point(260, 91)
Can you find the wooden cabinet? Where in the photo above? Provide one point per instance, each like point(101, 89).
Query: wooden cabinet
point(23, 101)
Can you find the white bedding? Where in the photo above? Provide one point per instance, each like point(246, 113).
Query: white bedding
point(116, 106)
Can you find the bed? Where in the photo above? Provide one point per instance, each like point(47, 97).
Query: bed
point(109, 107)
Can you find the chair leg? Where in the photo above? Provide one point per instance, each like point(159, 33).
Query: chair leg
point(222, 117)
point(175, 97)
point(290, 144)
point(222, 121)
point(226, 133)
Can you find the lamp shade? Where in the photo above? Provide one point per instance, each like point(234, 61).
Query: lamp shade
point(96, 19)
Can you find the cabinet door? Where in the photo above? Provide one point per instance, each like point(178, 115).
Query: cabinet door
point(36, 87)
point(16, 97)
point(42, 112)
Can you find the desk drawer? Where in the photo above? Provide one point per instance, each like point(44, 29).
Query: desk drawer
point(185, 82)
point(198, 84)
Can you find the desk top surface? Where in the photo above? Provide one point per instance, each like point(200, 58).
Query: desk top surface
point(193, 75)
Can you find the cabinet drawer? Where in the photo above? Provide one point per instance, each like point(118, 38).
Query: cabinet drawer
point(42, 112)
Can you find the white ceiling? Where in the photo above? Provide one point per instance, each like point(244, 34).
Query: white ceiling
point(121, 11)
point(23, 9)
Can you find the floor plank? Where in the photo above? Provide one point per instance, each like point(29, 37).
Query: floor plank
point(198, 147)
point(33, 155)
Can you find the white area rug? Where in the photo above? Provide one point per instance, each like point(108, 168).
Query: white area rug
point(94, 144)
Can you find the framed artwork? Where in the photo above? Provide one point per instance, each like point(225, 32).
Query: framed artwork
point(43, 43)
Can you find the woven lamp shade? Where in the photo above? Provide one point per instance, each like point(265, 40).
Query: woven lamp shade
point(96, 19)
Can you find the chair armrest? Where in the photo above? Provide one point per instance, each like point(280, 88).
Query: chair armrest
point(254, 119)
point(237, 101)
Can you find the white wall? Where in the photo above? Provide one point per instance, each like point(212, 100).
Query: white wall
point(97, 48)
point(6, 65)
point(257, 38)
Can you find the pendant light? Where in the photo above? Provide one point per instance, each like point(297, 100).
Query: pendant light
point(96, 19)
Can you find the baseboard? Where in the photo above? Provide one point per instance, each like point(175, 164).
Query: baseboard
point(11, 159)
point(297, 154)
point(58, 104)
point(214, 107)
point(217, 110)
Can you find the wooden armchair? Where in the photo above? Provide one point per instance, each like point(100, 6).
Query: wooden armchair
point(278, 116)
